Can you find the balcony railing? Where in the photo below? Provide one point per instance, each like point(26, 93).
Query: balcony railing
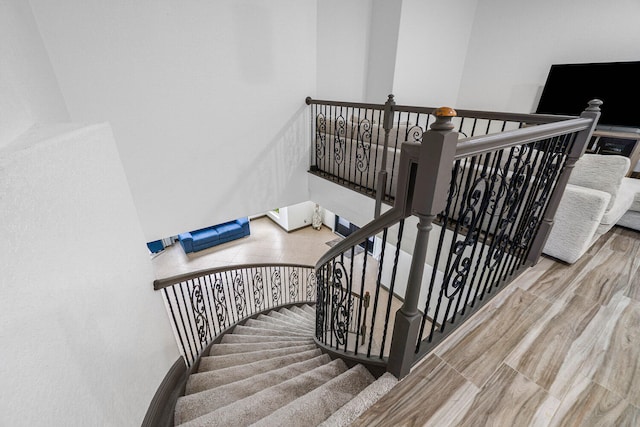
point(358, 145)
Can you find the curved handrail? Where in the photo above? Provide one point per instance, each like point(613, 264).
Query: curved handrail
point(202, 305)
point(166, 282)
point(376, 226)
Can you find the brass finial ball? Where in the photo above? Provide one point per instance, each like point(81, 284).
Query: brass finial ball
point(445, 112)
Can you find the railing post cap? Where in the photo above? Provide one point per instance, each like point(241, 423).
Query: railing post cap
point(594, 105)
point(307, 100)
point(443, 118)
point(390, 99)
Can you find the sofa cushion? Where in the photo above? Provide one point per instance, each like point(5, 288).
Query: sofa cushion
point(604, 173)
point(630, 220)
point(633, 186)
point(204, 235)
point(228, 229)
point(621, 205)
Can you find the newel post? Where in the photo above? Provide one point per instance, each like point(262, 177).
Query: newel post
point(382, 173)
point(579, 146)
point(429, 198)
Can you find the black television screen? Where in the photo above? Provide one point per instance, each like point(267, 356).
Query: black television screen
point(569, 88)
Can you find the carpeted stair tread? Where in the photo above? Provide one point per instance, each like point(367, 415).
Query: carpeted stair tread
point(360, 403)
point(198, 404)
point(298, 317)
point(212, 363)
point(220, 349)
point(251, 409)
point(290, 323)
point(254, 323)
point(288, 318)
point(237, 338)
point(205, 380)
point(317, 405)
point(309, 309)
point(302, 313)
point(252, 330)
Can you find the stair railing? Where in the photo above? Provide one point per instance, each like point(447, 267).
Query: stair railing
point(484, 207)
point(358, 144)
point(202, 305)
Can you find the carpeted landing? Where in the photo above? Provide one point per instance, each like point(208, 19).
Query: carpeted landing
point(268, 372)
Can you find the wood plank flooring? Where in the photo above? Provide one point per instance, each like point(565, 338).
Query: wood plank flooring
point(559, 347)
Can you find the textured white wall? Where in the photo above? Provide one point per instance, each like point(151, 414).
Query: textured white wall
point(432, 47)
point(514, 43)
point(29, 92)
point(206, 99)
point(343, 49)
point(85, 339)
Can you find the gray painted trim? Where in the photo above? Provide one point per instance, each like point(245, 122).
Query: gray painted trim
point(161, 409)
point(310, 101)
point(477, 114)
point(164, 283)
point(487, 143)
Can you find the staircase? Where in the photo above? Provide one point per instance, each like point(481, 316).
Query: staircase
point(269, 372)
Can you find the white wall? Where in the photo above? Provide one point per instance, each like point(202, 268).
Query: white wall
point(383, 44)
point(293, 217)
point(514, 43)
point(85, 339)
point(432, 47)
point(29, 92)
point(206, 99)
point(341, 201)
point(343, 49)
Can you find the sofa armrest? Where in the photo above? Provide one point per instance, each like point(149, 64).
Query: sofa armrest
point(600, 172)
point(576, 221)
point(186, 241)
point(244, 223)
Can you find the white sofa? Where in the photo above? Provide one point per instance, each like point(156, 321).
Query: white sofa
point(597, 197)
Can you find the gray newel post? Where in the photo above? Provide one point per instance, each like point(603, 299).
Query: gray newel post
point(579, 146)
point(429, 198)
point(382, 173)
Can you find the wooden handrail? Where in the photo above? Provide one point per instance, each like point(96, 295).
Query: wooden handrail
point(485, 143)
point(169, 281)
point(476, 114)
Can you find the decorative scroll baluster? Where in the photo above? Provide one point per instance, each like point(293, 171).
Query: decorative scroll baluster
point(311, 285)
point(276, 286)
point(238, 292)
point(294, 284)
point(204, 305)
point(199, 312)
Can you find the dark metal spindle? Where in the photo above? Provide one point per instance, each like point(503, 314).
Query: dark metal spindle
point(377, 295)
point(391, 287)
point(187, 332)
point(175, 322)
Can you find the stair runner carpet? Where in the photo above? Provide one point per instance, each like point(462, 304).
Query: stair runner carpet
point(269, 372)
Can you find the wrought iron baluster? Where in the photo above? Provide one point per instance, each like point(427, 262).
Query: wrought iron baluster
point(377, 294)
point(188, 330)
point(201, 321)
point(391, 287)
point(175, 323)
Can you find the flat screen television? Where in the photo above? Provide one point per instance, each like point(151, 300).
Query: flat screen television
point(569, 87)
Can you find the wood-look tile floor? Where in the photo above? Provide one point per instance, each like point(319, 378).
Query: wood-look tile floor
point(560, 346)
